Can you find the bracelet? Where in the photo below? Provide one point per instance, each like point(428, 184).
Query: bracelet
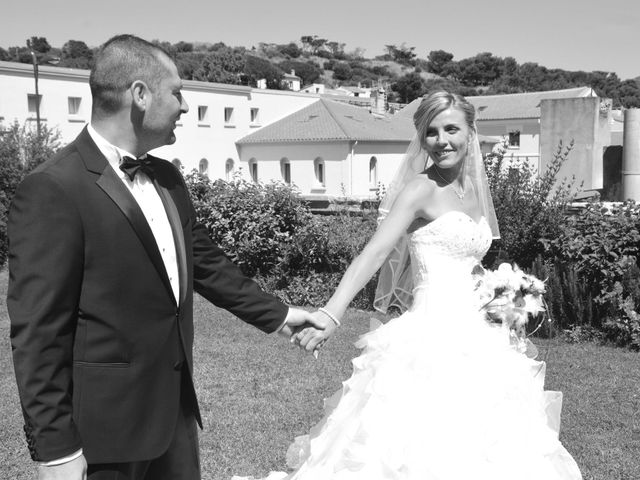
point(330, 315)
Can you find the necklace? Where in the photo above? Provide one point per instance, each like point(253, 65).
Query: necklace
point(459, 194)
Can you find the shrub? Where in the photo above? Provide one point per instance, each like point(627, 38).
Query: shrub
point(530, 207)
point(568, 299)
point(21, 150)
point(602, 244)
point(252, 223)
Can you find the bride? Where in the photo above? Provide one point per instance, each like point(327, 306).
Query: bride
point(437, 393)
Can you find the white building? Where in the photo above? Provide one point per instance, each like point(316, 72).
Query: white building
point(328, 149)
point(320, 142)
point(219, 114)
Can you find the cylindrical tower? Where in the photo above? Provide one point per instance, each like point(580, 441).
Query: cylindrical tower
point(631, 155)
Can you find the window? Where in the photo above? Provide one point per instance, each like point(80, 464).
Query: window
point(253, 170)
point(514, 139)
point(318, 167)
point(203, 167)
point(32, 102)
point(254, 115)
point(228, 115)
point(202, 113)
point(373, 172)
point(228, 169)
point(285, 170)
point(74, 105)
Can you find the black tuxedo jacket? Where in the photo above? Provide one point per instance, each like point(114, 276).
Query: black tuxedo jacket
point(99, 341)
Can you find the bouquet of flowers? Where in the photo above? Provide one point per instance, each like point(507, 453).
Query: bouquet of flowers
point(509, 297)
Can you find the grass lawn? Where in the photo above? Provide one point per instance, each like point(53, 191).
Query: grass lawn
point(258, 392)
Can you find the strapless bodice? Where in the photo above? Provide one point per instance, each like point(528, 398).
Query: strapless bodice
point(444, 252)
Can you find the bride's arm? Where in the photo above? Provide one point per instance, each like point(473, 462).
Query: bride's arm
point(409, 205)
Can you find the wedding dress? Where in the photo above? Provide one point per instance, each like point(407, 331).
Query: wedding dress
point(438, 393)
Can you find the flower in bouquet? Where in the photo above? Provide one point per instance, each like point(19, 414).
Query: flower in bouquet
point(510, 296)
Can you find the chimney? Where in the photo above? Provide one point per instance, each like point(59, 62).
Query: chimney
point(379, 105)
point(293, 72)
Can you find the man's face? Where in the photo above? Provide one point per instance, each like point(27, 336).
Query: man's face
point(165, 107)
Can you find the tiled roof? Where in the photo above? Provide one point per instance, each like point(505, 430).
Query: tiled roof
point(511, 106)
point(328, 120)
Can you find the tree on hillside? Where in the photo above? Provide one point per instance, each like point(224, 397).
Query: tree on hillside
point(309, 72)
point(480, 70)
point(312, 43)
point(403, 55)
point(224, 65)
point(438, 60)
point(409, 87)
point(290, 50)
point(629, 94)
point(336, 50)
point(342, 71)
point(257, 68)
point(76, 54)
point(183, 47)
point(4, 55)
point(39, 44)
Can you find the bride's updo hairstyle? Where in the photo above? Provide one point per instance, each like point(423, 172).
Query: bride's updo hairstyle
point(434, 104)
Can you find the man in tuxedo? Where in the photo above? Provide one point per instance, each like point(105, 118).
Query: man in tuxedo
point(105, 253)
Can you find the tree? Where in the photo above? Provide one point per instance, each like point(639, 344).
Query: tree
point(224, 65)
point(76, 54)
point(4, 55)
point(307, 71)
point(256, 68)
point(342, 71)
point(183, 47)
point(629, 94)
point(438, 60)
point(482, 69)
point(290, 50)
point(409, 87)
point(402, 54)
point(39, 44)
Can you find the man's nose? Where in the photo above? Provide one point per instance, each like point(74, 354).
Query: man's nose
point(184, 106)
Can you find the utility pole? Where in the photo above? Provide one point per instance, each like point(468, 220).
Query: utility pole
point(35, 77)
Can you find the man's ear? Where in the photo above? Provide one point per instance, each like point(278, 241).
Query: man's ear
point(140, 95)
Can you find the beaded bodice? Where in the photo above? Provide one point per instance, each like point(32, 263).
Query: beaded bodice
point(444, 252)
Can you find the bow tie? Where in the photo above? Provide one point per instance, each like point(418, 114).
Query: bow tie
point(131, 166)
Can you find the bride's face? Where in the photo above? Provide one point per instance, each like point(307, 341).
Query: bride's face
point(448, 138)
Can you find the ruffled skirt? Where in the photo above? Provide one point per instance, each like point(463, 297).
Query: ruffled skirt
point(437, 400)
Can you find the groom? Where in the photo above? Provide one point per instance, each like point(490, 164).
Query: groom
point(105, 253)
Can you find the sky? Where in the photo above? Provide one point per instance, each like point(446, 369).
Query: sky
point(568, 34)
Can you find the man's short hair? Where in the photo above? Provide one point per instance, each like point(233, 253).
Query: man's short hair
point(118, 63)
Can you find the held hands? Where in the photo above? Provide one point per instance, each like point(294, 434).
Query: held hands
point(311, 338)
point(308, 330)
point(76, 469)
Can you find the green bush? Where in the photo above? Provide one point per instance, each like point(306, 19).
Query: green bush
point(530, 207)
point(21, 150)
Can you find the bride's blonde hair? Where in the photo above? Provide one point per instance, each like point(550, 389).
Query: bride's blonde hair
point(434, 104)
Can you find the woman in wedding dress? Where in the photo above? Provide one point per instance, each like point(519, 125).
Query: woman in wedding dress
point(438, 393)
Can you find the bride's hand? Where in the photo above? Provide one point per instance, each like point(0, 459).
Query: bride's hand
point(311, 338)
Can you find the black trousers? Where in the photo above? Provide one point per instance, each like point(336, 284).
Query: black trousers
point(181, 461)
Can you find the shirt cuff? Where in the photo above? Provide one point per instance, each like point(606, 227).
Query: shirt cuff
point(284, 322)
point(60, 461)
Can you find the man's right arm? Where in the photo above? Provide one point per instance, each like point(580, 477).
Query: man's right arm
point(45, 272)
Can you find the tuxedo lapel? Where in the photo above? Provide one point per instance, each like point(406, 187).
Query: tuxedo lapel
point(178, 236)
point(109, 182)
point(113, 187)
